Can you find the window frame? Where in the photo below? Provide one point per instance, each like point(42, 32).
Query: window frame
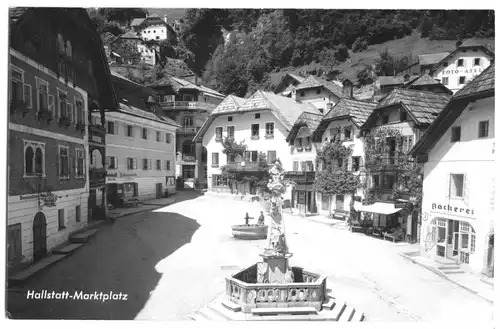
point(487, 130)
point(168, 138)
point(460, 62)
point(252, 135)
point(268, 157)
point(109, 162)
point(79, 151)
point(351, 137)
point(40, 82)
point(61, 219)
point(460, 78)
point(145, 133)
point(267, 125)
point(453, 194)
point(478, 59)
point(21, 82)
point(80, 118)
point(453, 136)
point(219, 137)
point(34, 145)
point(60, 173)
point(445, 81)
point(158, 164)
point(227, 131)
point(216, 155)
point(61, 102)
point(130, 131)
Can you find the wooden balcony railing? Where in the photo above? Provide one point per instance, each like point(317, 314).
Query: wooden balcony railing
point(300, 177)
point(244, 166)
point(187, 105)
point(188, 130)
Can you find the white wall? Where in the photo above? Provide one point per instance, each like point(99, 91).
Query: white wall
point(473, 157)
point(242, 123)
point(311, 96)
point(154, 32)
point(469, 70)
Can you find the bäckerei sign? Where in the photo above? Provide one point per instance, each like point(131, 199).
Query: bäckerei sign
point(451, 210)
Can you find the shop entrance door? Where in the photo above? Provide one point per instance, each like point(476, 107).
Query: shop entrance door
point(339, 202)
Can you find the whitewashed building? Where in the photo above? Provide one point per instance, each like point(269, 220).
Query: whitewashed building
point(462, 65)
point(320, 93)
point(344, 121)
point(459, 178)
point(262, 122)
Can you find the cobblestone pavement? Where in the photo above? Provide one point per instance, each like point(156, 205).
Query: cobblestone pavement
point(170, 266)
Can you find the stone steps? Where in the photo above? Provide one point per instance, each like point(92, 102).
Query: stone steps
point(83, 237)
point(68, 248)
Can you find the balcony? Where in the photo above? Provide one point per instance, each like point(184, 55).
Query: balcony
point(97, 129)
point(189, 158)
point(301, 177)
point(244, 166)
point(385, 160)
point(97, 177)
point(187, 105)
point(188, 130)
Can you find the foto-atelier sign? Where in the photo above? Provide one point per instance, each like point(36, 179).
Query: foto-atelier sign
point(462, 71)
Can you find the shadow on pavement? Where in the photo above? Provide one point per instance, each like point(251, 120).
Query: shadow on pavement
point(187, 194)
point(120, 259)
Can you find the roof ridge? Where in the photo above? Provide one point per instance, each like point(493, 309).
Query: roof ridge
point(418, 91)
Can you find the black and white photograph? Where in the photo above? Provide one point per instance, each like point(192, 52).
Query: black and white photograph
point(250, 164)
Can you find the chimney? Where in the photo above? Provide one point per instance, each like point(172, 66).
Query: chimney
point(165, 18)
point(347, 88)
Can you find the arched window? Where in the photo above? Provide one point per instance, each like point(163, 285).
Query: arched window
point(97, 159)
point(69, 50)
point(39, 161)
point(28, 160)
point(60, 44)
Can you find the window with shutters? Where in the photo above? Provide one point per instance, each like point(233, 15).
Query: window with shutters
point(270, 129)
point(16, 84)
point(131, 163)
point(271, 157)
point(457, 185)
point(70, 111)
point(112, 162)
point(14, 242)
point(230, 132)
point(62, 101)
point(80, 112)
point(146, 164)
point(215, 159)
point(445, 81)
point(130, 131)
point(158, 136)
point(34, 159)
point(218, 134)
point(80, 163)
point(63, 162)
point(42, 88)
point(251, 156)
point(167, 165)
point(295, 166)
point(158, 164)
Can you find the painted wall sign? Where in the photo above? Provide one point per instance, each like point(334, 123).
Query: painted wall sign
point(49, 199)
point(124, 174)
point(462, 71)
point(448, 209)
point(28, 197)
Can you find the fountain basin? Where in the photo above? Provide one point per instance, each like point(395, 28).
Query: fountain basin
point(250, 232)
point(307, 290)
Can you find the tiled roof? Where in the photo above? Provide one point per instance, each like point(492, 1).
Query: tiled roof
point(431, 59)
point(483, 82)
point(165, 81)
point(285, 109)
point(483, 86)
point(467, 44)
point(125, 108)
point(314, 82)
point(137, 21)
point(311, 120)
point(394, 80)
point(423, 80)
point(358, 110)
point(423, 106)
point(130, 35)
point(178, 83)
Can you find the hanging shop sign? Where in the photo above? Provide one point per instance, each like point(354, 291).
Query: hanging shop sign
point(49, 199)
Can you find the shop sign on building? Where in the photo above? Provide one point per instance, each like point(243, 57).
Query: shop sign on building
point(447, 209)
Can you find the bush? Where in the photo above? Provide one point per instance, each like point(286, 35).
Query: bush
point(360, 44)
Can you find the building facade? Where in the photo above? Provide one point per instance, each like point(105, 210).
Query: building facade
point(462, 65)
point(140, 146)
point(153, 28)
point(320, 93)
point(344, 121)
point(189, 104)
point(49, 103)
point(262, 122)
point(459, 179)
point(391, 130)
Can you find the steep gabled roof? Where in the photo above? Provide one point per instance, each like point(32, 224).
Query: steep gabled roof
point(422, 106)
point(357, 111)
point(179, 84)
point(132, 110)
point(483, 86)
point(285, 109)
point(309, 120)
point(129, 35)
point(431, 59)
point(394, 80)
point(295, 77)
point(137, 21)
point(423, 80)
point(471, 43)
point(314, 82)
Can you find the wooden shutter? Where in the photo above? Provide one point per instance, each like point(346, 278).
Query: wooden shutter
point(465, 191)
point(134, 163)
point(295, 166)
point(70, 111)
point(448, 185)
point(303, 166)
point(27, 96)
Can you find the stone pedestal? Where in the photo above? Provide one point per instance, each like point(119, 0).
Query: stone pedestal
point(274, 269)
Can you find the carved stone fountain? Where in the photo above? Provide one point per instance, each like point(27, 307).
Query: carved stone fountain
point(272, 289)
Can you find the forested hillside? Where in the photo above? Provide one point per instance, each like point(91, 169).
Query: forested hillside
point(237, 51)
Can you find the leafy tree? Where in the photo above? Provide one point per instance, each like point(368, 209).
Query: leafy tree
point(360, 44)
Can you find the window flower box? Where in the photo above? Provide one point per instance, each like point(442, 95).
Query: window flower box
point(17, 106)
point(45, 114)
point(269, 136)
point(299, 148)
point(308, 148)
point(64, 122)
point(254, 137)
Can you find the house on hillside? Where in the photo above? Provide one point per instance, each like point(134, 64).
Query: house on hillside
point(427, 83)
point(58, 79)
point(129, 47)
point(457, 152)
point(189, 104)
point(462, 65)
point(320, 93)
point(140, 154)
point(423, 65)
point(262, 122)
point(287, 82)
point(392, 193)
point(303, 157)
point(153, 28)
point(343, 122)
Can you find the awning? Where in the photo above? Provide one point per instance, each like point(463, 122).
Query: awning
point(377, 208)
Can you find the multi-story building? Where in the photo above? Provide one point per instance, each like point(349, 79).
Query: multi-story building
point(262, 122)
point(318, 92)
point(58, 74)
point(391, 130)
point(140, 146)
point(189, 104)
point(287, 83)
point(462, 65)
point(123, 50)
point(343, 121)
point(303, 157)
point(153, 28)
point(458, 208)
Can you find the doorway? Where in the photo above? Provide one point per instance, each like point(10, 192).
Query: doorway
point(39, 237)
point(339, 202)
point(455, 240)
point(159, 189)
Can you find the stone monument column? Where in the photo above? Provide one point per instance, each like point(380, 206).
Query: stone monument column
point(275, 267)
